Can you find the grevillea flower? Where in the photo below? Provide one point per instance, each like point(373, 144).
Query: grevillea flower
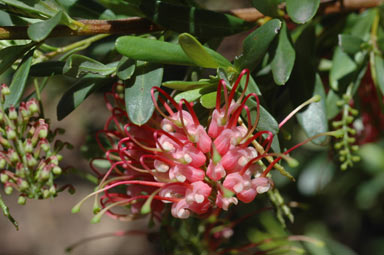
point(175, 159)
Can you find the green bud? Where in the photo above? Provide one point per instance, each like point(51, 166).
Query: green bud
point(31, 161)
point(57, 170)
point(352, 131)
point(4, 178)
point(342, 158)
point(23, 185)
point(28, 148)
point(354, 112)
point(8, 190)
point(11, 134)
point(44, 175)
point(43, 133)
point(338, 145)
point(21, 200)
point(5, 90)
point(349, 119)
point(346, 98)
point(340, 103)
point(12, 113)
point(355, 147)
point(3, 163)
point(120, 88)
point(356, 158)
point(52, 190)
point(351, 140)
point(343, 152)
point(46, 193)
point(13, 156)
point(59, 157)
point(344, 166)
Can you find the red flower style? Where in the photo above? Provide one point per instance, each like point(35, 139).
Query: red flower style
point(174, 159)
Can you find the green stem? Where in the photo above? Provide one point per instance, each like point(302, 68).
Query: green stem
point(6, 213)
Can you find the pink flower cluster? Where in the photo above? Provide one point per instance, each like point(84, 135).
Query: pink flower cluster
point(174, 159)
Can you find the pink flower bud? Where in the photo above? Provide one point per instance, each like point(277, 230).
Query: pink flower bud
point(235, 159)
point(215, 171)
point(183, 173)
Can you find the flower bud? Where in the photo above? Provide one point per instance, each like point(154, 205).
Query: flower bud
point(12, 114)
point(12, 155)
point(46, 193)
point(33, 106)
point(21, 200)
point(5, 90)
point(25, 113)
point(23, 185)
point(8, 190)
point(3, 163)
point(4, 178)
point(11, 134)
point(52, 190)
point(31, 161)
point(57, 170)
point(28, 147)
point(4, 142)
point(20, 171)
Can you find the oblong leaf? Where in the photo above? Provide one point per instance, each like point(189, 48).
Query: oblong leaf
point(199, 55)
point(209, 100)
point(40, 30)
point(152, 51)
point(314, 118)
point(284, 59)
point(83, 87)
point(267, 7)
point(342, 66)
point(379, 67)
point(302, 11)
point(9, 55)
point(19, 81)
point(257, 43)
point(138, 100)
point(77, 65)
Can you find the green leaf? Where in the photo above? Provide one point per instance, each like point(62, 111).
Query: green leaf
point(331, 106)
point(40, 30)
point(342, 66)
point(267, 7)
point(379, 67)
point(190, 95)
point(31, 8)
point(10, 54)
point(252, 86)
point(188, 85)
point(77, 65)
point(138, 100)
point(155, 51)
point(19, 81)
point(125, 68)
point(199, 55)
point(82, 88)
point(209, 100)
point(47, 68)
point(284, 59)
point(350, 44)
point(257, 43)
point(301, 11)
point(314, 118)
point(196, 21)
point(152, 51)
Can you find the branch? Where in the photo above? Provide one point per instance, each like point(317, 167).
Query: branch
point(138, 25)
point(133, 25)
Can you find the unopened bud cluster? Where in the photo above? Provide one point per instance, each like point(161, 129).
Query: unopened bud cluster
point(346, 144)
point(28, 163)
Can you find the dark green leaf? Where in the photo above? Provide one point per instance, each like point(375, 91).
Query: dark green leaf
point(138, 100)
point(79, 92)
point(76, 65)
point(47, 68)
point(313, 119)
point(125, 68)
point(379, 67)
point(40, 30)
point(257, 43)
point(32, 8)
point(342, 66)
point(19, 81)
point(350, 44)
point(267, 7)
point(9, 55)
point(199, 55)
point(284, 59)
point(302, 11)
point(303, 77)
point(199, 22)
point(123, 7)
point(188, 85)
